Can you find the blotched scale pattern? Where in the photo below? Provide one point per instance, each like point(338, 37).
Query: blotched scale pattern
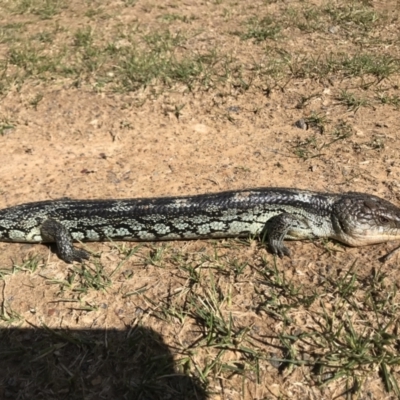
point(234, 213)
point(352, 218)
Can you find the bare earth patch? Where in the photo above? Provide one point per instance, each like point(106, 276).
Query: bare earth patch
point(125, 99)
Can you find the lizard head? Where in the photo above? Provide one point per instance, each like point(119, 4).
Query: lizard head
point(360, 219)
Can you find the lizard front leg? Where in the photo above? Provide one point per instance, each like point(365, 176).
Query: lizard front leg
point(275, 230)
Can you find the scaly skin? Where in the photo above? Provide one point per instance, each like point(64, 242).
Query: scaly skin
point(275, 214)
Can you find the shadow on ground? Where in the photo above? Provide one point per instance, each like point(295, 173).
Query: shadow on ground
point(90, 364)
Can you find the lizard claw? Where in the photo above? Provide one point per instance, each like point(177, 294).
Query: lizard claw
point(280, 250)
point(80, 255)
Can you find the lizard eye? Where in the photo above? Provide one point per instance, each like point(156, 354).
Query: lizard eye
point(383, 220)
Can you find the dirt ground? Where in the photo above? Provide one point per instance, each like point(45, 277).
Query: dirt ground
point(87, 134)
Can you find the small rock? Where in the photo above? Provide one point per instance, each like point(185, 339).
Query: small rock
point(301, 124)
point(312, 168)
point(139, 311)
point(200, 128)
point(234, 109)
point(274, 360)
point(359, 133)
point(333, 30)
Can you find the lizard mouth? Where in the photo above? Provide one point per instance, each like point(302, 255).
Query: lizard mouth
point(366, 237)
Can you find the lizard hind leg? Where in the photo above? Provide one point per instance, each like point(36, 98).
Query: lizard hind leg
point(54, 231)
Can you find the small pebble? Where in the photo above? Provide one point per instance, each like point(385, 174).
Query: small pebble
point(274, 360)
point(333, 29)
point(139, 311)
point(301, 124)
